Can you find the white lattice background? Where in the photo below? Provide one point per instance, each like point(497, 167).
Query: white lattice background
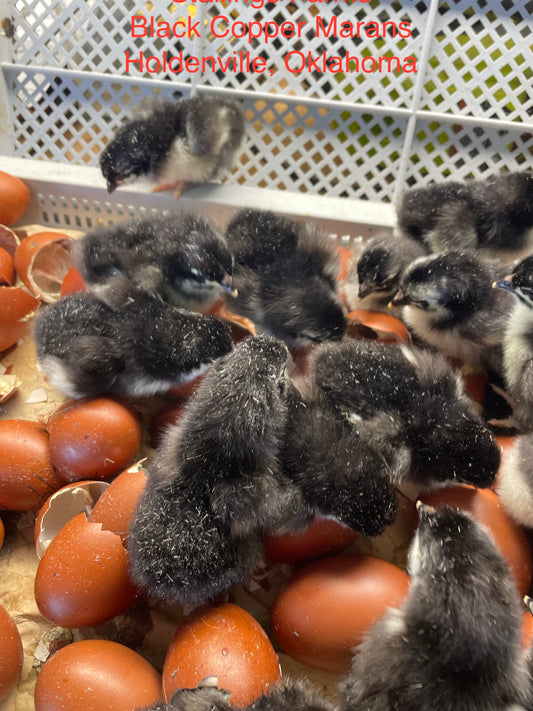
point(466, 113)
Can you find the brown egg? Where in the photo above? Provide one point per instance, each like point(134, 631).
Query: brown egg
point(96, 674)
point(14, 198)
point(7, 268)
point(346, 260)
point(116, 506)
point(223, 641)
point(17, 308)
point(527, 629)
point(93, 438)
point(27, 476)
point(327, 605)
point(82, 578)
point(486, 507)
point(42, 260)
point(167, 415)
point(376, 325)
point(2, 533)
point(72, 282)
point(322, 536)
point(11, 654)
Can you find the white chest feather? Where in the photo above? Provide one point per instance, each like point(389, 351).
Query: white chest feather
point(182, 164)
point(517, 349)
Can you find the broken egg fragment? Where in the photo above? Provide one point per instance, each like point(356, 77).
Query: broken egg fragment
point(82, 578)
point(64, 504)
point(42, 260)
point(14, 198)
point(7, 268)
point(223, 641)
point(377, 326)
point(96, 674)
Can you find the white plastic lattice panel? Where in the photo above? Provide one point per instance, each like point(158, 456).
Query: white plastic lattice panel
point(442, 150)
point(480, 63)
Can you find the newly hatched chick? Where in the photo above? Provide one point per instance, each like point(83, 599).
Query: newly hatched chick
point(180, 258)
point(495, 215)
point(450, 305)
point(285, 274)
point(86, 348)
point(380, 267)
point(341, 469)
point(518, 344)
point(176, 144)
point(287, 695)
point(455, 642)
point(439, 437)
point(215, 487)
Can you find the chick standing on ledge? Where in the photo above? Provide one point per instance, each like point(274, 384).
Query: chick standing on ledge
point(495, 215)
point(175, 143)
point(455, 642)
point(285, 274)
point(85, 348)
point(181, 258)
point(215, 486)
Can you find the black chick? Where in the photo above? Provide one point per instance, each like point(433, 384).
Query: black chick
point(215, 487)
point(341, 469)
point(286, 695)
point(455, 642)
point(380, 267)
point(285, 274)
point(494, 215)
point(177, 144)
point(86, 348)
point(437, 437)
point(450, 305)
point(181, 258)
point(518, 344)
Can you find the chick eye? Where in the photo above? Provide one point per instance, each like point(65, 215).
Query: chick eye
point(196, 275)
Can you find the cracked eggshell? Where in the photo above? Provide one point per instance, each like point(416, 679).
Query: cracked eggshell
point(96, 674)
point(64, 504)
point(8, 240)
point(11, 654)
point(326, 607)
point(116, 506)
point(223, 641)
point(42, 260)
point(7, 268)
point(82, 579)
point(27, 476)
point(72, 283)
point(94, 438)
point(17, 308)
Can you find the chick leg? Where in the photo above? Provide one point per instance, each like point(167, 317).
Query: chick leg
point(507, 422)
point(179, 186)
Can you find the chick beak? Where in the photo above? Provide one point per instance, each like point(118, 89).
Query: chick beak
point(506, 283)
point(111, 186)
point(399, 300)
point(227, 285)
point(364, 290)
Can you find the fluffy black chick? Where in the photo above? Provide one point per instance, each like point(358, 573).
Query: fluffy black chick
point(455, 642)
point(176, 144)
point(437, 435)
point(342, 470)
point(85, 348)
point(518, 344)
point(215, 486)
point(285, 274)
point(495, 215)
point(287, 695)
point(450, 305)
point(180, 258)
point(380, 266)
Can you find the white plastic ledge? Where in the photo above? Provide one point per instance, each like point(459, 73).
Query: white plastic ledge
point(73, 196)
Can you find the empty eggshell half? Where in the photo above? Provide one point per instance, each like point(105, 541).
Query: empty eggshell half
point(42, 260)
point(8, 240)
point(67, 502)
